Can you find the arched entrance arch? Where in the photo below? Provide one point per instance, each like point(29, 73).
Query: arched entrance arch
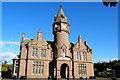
point(64, 71)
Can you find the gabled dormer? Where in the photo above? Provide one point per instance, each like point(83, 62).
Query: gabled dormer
point(79, 45)
point(38, 41)
point(81, 51)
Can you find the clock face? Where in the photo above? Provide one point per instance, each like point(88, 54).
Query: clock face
point(55, 28)
point(63, 26)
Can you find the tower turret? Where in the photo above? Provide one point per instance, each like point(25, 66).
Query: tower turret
point(61, 29)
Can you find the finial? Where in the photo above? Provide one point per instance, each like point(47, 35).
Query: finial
point(79, 38)
point(23, 35)
point(39, 32)
point(60, 5)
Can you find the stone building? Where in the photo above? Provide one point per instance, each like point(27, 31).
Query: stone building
point(59, 59)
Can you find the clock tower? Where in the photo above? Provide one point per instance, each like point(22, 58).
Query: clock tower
point(54, 59)
point(61, 30)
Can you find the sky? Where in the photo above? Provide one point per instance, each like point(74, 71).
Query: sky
point(97, 24)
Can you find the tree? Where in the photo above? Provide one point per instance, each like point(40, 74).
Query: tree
point(108, 68)
point(112, 3)
point(117, 69)
point(5, 62)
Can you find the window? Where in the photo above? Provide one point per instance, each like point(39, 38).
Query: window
point(42, 67)
point(16, 67)
point(33, 69)
point(16, 64)
point(37, 68)
point(77, 55)
point(16, 61)
point(81, 69)
point(63, 52)
point(34, 52)
point(43, 53)
point(84, 56)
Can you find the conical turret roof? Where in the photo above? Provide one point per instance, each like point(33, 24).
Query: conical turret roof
point(61, 16)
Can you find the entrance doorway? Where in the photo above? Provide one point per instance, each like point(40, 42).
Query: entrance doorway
point(64, 71)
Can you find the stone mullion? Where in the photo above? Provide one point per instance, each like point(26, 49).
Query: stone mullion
point(81, 55)
point(81, 68)
point(78, 55)
point(40, 68)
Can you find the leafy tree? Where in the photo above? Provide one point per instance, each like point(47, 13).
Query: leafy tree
point(6, 70)
point(5, 62)
point(108, 68)
point(117, 69)
point(112, 3)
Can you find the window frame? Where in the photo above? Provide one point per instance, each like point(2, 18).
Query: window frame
point(37, 68)
point(82, 69)
point(78, 56)
point(34, 52)
point(63, 52)
point(84, 56)
point(43, 53)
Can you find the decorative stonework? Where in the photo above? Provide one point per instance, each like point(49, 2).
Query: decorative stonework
point(56, 59)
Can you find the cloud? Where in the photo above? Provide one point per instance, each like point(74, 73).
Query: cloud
point(8, 45)
point(8, 50)
point(7, 56)
point(9, 42)
point(1, 46)
point(104, 60)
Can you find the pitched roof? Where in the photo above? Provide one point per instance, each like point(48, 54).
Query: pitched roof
point(61, 16)
point(15, 58)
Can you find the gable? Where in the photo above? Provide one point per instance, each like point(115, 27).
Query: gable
point(79, 45)
point(38, 41)
point(64, 46)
